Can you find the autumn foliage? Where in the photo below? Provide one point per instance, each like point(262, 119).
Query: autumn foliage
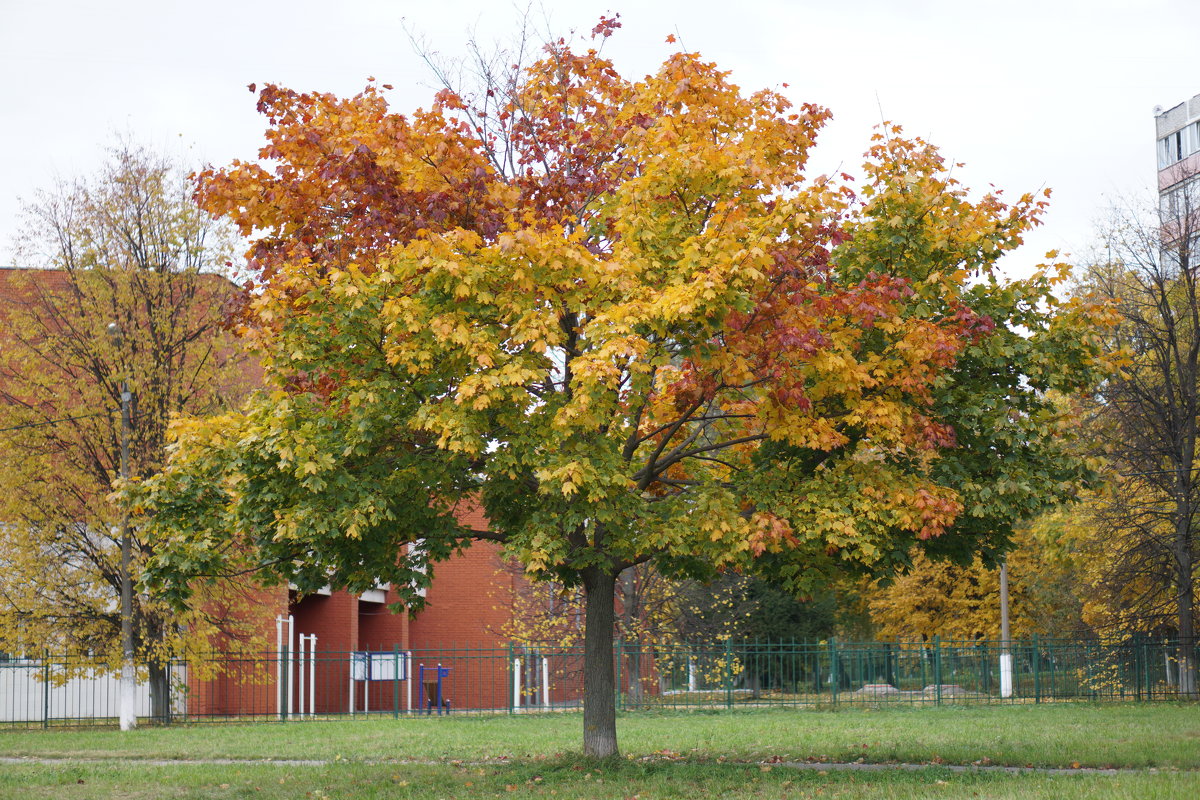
point(624, 315)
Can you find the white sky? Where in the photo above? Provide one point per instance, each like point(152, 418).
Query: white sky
point(1028, 94)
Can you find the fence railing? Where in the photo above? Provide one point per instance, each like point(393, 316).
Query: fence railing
point(281, 685)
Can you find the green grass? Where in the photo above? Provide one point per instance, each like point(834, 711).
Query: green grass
point(667, 755)
point(559, 779)
point(1133, 735)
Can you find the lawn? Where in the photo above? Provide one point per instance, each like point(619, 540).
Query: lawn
point(559, 779)
point(668, 755)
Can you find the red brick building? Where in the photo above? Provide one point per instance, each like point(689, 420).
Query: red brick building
point(461, 628)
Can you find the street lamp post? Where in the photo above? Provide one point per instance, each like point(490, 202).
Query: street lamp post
point(128, 695)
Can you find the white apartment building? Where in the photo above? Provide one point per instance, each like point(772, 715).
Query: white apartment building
point(1178, 134)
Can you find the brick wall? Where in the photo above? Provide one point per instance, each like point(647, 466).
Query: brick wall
point(461, 627)
point(235, 683)
point(380, 628)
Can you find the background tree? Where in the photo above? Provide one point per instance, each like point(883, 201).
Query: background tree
point(622, 315)
point(745, 607)
point(125, 246)
point(1145, 423)
point(550, 614)
point(962, 602)
point(658, 618)
point(1110, 606)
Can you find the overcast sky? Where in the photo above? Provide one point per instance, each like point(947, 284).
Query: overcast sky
point(1055, 93)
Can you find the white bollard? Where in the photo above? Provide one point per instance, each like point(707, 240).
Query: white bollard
point(291, 664)
point(300, 677)
point(285, 628)
point(516, 684)
point(408, 681)
point(1006, 675)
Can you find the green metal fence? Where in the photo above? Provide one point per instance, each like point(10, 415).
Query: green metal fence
point(519, 679)
point(934, 672)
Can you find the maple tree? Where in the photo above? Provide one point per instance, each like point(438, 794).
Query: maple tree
point(623, 316)
point(124, 246)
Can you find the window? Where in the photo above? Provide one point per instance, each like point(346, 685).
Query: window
point(1168, 150)
point(1174, 147)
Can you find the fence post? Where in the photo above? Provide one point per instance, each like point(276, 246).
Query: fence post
point(395, 681)
point(924, 657)
point(169, 704)
point(937, 669)
point(1037, 671)
point(833, 669)
point(511, 680)
point(1146, 667)
point(285, 689)
point(986, 667)
point(728, 673)
point(620, 695)
point(889, 668)
point(1091, 661)
point(45, 689)
point(1054, 665)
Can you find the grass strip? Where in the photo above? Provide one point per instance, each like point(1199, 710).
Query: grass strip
point(561, 778)
point(1066, 735)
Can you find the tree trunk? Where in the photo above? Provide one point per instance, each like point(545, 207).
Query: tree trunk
point(599, 687)
point(1185, 586)
point(1182, 548)
point(160, 692)
point(1187, 630)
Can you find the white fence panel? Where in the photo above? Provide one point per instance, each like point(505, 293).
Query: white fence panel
point(26, 695)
